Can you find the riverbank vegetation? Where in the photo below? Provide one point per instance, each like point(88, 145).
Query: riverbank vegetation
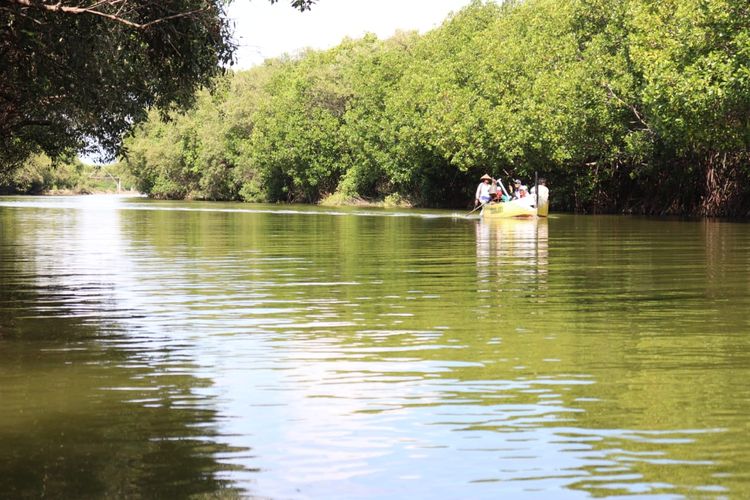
point(624, 106)
point(629, 106)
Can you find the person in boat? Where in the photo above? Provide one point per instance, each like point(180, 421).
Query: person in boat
point(500, 196)
point(483, 194)
point(542, 189)
point(520, 190)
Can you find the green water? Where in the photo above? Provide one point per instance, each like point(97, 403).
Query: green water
point(156, 349)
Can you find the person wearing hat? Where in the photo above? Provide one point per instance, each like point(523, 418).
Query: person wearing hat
point(483, 194)
point(520, 190)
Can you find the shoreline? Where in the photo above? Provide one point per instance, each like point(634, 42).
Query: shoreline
point(85, 192)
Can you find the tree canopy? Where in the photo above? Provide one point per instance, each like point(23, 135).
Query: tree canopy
point(635, 106)
point(83, 72)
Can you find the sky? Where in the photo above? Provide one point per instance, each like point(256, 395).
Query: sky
point(263, 30)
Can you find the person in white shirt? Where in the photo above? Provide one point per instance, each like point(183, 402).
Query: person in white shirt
point(542, 189)
point(483, 194)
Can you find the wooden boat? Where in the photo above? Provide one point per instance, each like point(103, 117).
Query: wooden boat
point(522, 207)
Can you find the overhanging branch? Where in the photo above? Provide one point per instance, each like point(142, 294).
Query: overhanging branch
point(94, 11)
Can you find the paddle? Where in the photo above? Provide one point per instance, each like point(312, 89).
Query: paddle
point(476, 208)
point(503, 188)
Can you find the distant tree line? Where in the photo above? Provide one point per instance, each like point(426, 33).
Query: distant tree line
point(40, 174)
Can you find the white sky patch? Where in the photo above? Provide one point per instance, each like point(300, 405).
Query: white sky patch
point(263, 30)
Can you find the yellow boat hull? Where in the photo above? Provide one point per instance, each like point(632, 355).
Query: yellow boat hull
point(515, 208)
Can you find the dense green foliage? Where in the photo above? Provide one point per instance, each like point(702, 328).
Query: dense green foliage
point(82, 72)
point(624, 105)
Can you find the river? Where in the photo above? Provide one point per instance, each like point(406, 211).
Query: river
point(174, 349)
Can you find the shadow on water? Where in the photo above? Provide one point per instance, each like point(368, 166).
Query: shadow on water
point(87, 411)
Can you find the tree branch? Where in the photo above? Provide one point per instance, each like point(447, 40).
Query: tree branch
point(629, 106)
point(92, 10)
